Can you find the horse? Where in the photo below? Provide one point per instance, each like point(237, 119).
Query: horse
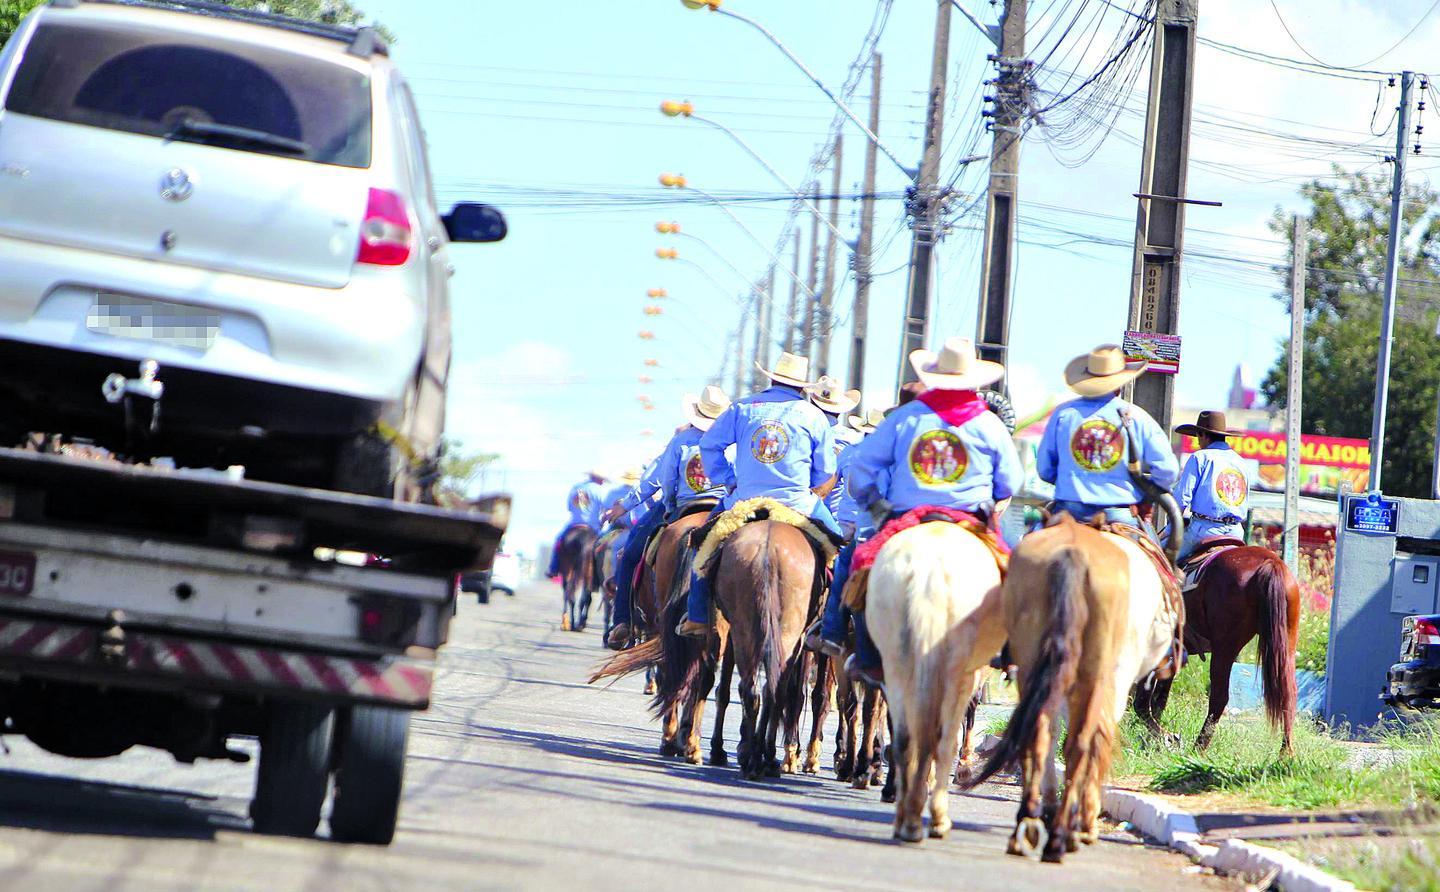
point(933, 608)
point(859, 736)
point(577, 572)
point(1243, 592)
point(1086, 616)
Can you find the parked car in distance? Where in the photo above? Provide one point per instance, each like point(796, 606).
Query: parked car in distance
point(505, 574)
point(241, 205)
point(1414, 681)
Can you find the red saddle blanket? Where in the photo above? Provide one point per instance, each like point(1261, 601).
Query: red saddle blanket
point(1205, 552)
point(865, 553)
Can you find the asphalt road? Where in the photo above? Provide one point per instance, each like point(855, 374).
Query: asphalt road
point(521, 776)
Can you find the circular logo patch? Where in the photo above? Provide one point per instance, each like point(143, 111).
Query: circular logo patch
point(1097, 445)
point(695, 476)
point(769, 443)
point(938, 457)
point(1231, 487)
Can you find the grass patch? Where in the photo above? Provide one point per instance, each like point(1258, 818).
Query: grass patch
point(1384, 864)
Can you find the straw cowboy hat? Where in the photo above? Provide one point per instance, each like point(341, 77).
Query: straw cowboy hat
point(869, 422)
point(702, 410)
point(827, 394)
point(955, 367)
point(1101, 371)
point(789, 369)
point(630, 477)
point(596, 472)
point(1210, 422)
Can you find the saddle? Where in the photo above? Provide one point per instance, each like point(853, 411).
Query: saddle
point(721, 527)
point(1170, 586)
point(858, 584)
point(1199, 560)
point(652, 547)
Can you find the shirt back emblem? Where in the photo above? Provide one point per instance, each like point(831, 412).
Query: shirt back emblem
point(695, 476)
point(1097, 445)
point(938, 457)
point(769, 443)
point(1231, 487)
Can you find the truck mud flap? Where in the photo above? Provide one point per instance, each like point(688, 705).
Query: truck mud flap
point(46, 647)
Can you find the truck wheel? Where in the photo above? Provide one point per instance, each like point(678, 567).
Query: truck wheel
point(369, 775)
point(294, 769)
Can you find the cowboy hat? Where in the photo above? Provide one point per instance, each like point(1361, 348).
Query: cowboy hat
point(702, 410)
point(869, 422)
point(955, 367)
point(789, 369)
point(827, 395)
point(596, 472)
point(630, 477)
point(1101, 371)
point(1210, 422)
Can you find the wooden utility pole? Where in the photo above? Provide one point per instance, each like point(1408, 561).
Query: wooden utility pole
point(864, 243)
point(926, 202)
point(794, 305)
point(812, 282)
point(827, 295)
point(997, 260)
point(1160, 219)
point(1299, 253)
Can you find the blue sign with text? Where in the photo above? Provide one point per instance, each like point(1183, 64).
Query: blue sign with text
point(1372, 513)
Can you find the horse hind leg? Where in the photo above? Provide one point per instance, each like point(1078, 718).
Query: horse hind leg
point(670, 732)
point(1029, 824)
point(718, 756)
point(819, 707)
point(959, 715)
point(649, 681)
point(695, 714)
point(915, 752)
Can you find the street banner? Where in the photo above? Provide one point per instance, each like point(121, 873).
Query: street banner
point(1162, 351)
point(1324, 461)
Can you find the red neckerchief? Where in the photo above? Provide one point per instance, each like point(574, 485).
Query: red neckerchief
point(955, 407)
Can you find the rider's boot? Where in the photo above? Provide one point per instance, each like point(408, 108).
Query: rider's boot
point(696, 623)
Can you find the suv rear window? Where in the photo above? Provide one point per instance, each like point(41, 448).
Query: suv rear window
point(193, 88)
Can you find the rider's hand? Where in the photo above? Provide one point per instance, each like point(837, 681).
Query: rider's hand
point(879, 512)
point(614, 514)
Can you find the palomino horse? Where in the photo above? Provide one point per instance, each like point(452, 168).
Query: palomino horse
point(1087, 618)
point(1243, 591)
point(933, 607)
point(577, 570)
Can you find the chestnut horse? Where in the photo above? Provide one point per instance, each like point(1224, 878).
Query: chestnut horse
point(1243, 592)
point(577, 571)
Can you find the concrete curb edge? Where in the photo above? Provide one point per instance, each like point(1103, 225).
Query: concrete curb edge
point(1160, 821)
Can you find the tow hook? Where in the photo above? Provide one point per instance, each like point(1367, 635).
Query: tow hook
point(140, 399)
point(111, 643)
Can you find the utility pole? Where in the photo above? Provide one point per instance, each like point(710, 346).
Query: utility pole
point(739, 384)
point(1160, 219)
point(1392, 258)
point(763, 293)
point(812, 281)
point(860, 312)
point(926, 201)
point(997, 260)
point(794, 296)
point(827, 295)
point(1300, 253)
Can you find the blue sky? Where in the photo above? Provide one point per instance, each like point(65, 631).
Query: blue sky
point(544, 108)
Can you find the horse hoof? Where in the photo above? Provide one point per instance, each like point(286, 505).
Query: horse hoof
point(810, 767)
point(887, 795)
point(1087, 837)
point(963, 773)
point(692, 756)
point(669, 748)
point(859, 782)
point(1072, 843)
point(649, 688)
point(773, 770)
point(719, 758)
point(1025, 841)
point(1055, 851)
point(913, 833)
point(565, 623)
point(940, 829)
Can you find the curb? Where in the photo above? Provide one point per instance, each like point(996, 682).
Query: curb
point(1160, 821)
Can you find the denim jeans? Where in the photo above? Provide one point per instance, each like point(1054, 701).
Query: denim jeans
point(1083, 513)
point(837, 615)
point(629, 561)
point(1199, 529)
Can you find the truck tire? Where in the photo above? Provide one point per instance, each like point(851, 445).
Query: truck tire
point(294, 769)
point(369, 775)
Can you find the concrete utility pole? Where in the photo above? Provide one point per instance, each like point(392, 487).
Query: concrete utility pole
point(860, 311)
point(926, 203)
point(997, 261)
point(812, 281)
point(1300, 253)
point(737, 388)
point(763, 295)
point(1392, 260)
point(1160, 220)
point(794, 296)
point(827, 295)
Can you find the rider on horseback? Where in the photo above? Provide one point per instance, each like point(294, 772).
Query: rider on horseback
point(680, 479)
point(945, 449)
point(586, 500)
point(1083, 450)
point(1215, 485)
point(784, 450)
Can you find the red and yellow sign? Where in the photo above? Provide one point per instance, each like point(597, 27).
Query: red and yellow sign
point(1324, 461)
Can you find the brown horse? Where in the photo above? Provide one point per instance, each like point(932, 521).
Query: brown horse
point(577, 572)
point(860, 736)
point(1243, 592)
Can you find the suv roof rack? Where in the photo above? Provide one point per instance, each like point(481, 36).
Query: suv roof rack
point(362, 41)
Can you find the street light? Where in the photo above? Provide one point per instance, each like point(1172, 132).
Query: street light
point(667, 253)
point(670, 228)
point(657, 293)
point(672, 180)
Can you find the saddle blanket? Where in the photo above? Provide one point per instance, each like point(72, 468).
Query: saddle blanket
point(1199, 561)
point(730, 522)
point(859, 581)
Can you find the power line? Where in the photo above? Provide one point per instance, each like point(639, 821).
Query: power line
point(1295, 40)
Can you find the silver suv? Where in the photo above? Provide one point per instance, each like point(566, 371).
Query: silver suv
point(227, 216)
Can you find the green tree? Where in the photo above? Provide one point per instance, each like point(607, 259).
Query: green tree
point(1349, 228)
point(460, 468)
point(339, 12)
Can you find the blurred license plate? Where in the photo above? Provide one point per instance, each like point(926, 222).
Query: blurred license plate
point(153, 320)
point(17, 573)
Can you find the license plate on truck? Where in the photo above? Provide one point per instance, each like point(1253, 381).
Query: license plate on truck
point(17, 573)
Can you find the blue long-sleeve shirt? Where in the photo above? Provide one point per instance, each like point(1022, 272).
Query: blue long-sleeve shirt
point(1083, 452)
point(784, 447)
point(916, 458)
point(586, 502)
point(678, 474)
point(845, 442)
point(1216, 484)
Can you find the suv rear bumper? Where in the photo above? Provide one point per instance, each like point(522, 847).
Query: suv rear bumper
point(1412, 683)
point(363, 340)
point(43, 648)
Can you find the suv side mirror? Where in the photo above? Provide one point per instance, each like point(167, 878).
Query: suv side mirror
point(470, 221)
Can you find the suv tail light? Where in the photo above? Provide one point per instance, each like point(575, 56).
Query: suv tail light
point(385, 232)
point(1426, 633)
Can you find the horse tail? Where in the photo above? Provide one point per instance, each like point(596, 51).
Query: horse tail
point(1056, 665)
point(633, 659)
point(768, 614)
point(681, 659)
point(1270, 586)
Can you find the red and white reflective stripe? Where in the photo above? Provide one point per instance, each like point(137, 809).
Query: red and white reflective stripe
point(393, 682)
